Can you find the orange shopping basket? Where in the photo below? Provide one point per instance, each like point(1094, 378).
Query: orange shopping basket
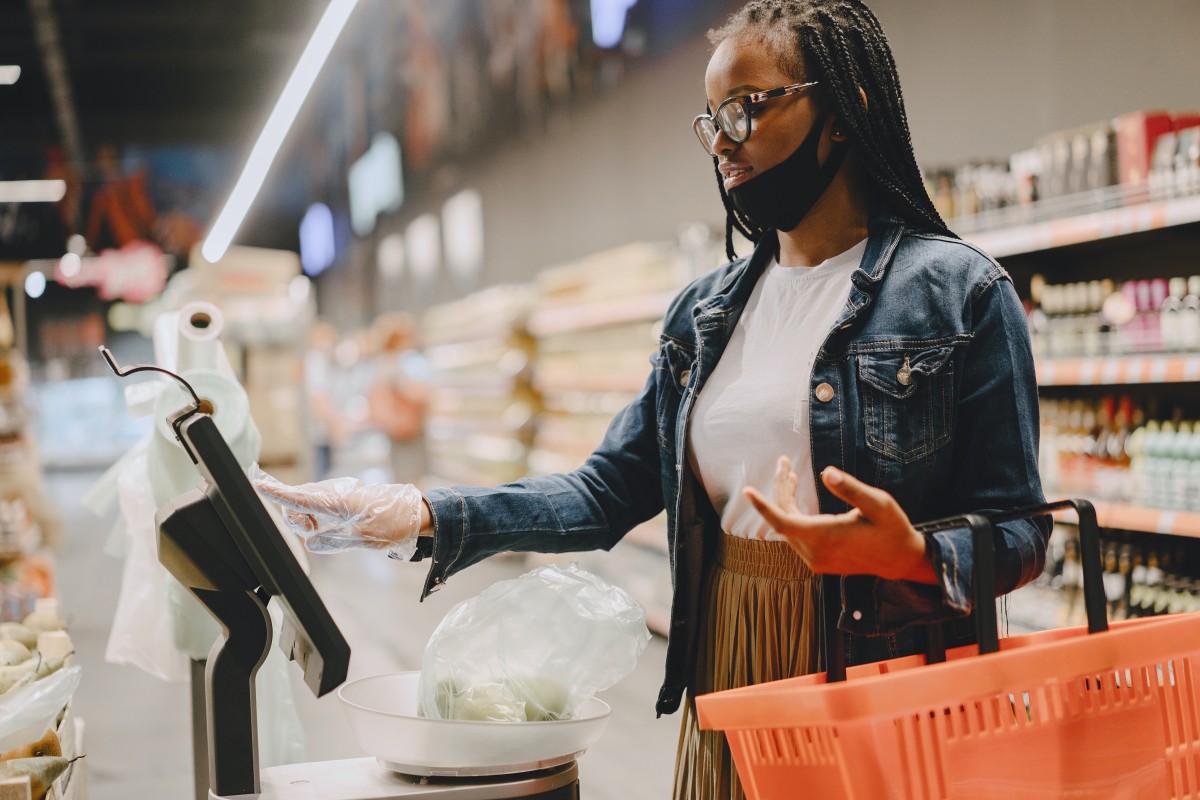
point(1094, 713)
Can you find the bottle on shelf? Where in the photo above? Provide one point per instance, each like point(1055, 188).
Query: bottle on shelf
point(1038, 320)
point(1103, 468)
point(1177, 468)
point(1189, 316)
point(1169, 314)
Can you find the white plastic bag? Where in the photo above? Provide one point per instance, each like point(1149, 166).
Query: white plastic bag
point(141, 630)
point(26, 713)
point(531, 648)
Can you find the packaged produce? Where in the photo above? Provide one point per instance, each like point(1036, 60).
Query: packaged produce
point(531, 649)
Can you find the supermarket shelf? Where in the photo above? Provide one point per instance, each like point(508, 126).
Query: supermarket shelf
point(1088, 227)
point(1107, 371)
point(549, 321)
point(1119, 516)
point(628, 382)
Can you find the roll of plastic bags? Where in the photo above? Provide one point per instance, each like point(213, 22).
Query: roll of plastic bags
point(193, 629)
point(198, 340)
point(173, 470)
point(190, 338)
point(158, 625)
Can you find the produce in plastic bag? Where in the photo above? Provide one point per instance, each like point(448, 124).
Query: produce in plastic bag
point(26, 712)
point(533, 648)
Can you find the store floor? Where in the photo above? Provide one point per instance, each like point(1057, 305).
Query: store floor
point(138, 728)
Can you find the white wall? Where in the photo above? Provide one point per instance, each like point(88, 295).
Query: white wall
point(987, 77)
point(981, 78)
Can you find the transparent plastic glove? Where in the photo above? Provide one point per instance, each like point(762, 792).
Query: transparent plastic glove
point(339, 513)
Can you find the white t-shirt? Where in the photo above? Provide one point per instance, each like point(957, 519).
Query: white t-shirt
point(754, 408)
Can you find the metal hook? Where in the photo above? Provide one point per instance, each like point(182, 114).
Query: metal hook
point(126, 371)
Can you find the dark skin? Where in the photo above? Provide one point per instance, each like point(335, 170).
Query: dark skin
point(875, 537)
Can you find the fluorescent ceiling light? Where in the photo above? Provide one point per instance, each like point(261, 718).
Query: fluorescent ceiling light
point(9, 73)
point(273, 133)
point(32, 191)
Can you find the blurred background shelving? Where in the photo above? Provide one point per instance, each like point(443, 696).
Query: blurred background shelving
point(481, 405)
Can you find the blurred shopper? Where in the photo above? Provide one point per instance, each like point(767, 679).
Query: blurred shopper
point(397, 397)
point(121, 211)
point(326, 426)
point(862, 342)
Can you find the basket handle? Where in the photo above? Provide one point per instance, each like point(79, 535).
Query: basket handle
point(984, 578)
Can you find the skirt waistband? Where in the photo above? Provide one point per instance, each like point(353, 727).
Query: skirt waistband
point(761, 559)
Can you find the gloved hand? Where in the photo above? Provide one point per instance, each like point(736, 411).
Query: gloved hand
point(338, 513)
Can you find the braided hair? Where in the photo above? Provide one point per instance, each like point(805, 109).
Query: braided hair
point(841, 44)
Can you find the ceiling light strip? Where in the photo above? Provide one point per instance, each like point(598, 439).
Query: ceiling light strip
point(269, 141)
point(32, 191)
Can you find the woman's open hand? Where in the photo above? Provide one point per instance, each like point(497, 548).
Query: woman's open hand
point(875, 537)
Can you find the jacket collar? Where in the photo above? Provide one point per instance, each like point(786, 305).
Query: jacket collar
point(884, 230)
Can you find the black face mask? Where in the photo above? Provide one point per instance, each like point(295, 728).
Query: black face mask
point(780, 197)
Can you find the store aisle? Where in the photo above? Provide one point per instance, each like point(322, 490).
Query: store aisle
point(138, 728)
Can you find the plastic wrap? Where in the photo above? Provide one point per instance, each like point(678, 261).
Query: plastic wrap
point(27, 712)
point(340, 513)
point(532, 648)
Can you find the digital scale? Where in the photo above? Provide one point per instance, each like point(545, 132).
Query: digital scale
point(220, 543)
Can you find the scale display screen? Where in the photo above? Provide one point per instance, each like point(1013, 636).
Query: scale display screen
point(309, 635)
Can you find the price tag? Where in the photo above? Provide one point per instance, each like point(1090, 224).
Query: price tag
point(1135, 370)
point(1112, 371)
point(1158, 370)
point(1191, 369)
point(1087, 371)
point(1045, 373)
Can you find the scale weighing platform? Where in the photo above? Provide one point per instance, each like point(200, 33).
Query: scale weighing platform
point(220, 543)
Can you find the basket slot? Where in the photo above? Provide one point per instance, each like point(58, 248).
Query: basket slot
point(1181, 727)
point(791, 746)
point(919, 744)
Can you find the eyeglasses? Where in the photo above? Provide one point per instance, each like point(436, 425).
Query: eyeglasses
point(733, 116)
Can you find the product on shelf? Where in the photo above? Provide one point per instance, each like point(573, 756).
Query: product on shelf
point(1142, 574)
point(1103, 318)
point(1127, 160)
point(1108, 450)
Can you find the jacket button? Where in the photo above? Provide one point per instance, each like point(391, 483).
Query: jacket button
point(824, 392)
point(684, 377)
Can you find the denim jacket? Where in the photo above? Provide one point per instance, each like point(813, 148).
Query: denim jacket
point(924, 387)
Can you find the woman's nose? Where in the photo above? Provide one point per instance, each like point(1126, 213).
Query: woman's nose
point(723, 144)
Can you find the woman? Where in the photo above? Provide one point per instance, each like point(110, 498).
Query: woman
point(861, 341)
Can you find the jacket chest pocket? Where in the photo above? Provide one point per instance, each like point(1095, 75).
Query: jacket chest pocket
point(908, 401)
point(672, 374)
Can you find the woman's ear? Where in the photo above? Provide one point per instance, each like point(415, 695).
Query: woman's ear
point(838, 130)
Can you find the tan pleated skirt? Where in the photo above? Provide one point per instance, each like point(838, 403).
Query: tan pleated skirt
point(759, 625)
